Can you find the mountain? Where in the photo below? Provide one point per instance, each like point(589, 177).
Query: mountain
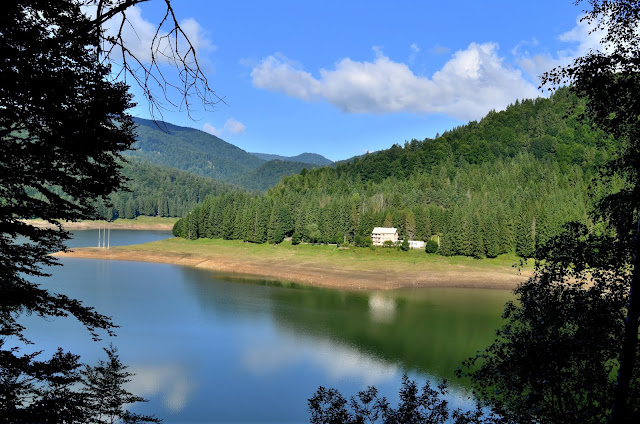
point(503, 184)
point(191, 150)
point(309, 158)
point(203, 154)
point(268, 174)
point(157, 190)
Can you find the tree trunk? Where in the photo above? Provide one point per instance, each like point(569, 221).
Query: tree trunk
point(620, 412)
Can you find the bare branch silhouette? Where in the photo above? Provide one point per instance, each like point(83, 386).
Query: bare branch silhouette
point(170, 45)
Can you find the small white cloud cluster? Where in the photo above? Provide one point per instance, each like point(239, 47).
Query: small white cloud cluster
point(472, 82)
point(582, 36)
point(231, 126)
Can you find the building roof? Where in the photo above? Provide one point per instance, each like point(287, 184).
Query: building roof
point(385, 230)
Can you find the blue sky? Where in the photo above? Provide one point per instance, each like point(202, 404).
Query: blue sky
point(341, 78)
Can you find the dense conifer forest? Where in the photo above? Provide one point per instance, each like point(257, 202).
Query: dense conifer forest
point(503, 184)
point(155, 190)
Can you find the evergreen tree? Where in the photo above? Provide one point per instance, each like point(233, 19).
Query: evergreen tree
point(107, 397)
point(404, 246)
point(410, 225)
point(524, 237)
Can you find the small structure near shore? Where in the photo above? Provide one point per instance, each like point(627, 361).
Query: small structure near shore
point(416, 244)
point(381, 234)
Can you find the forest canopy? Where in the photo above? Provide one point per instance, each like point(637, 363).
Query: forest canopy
point(506, 183)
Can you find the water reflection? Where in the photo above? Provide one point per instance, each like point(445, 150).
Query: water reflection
point(382, 309)
point(90, 238)
point(426, 330)
point(205, 346)
point(337, 360)
point(166, 381)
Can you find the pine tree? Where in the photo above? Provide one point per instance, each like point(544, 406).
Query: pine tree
point(524, 237)
point(108, 399)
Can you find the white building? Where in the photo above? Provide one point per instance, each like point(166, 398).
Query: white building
point(381, 234)
point(416, 244)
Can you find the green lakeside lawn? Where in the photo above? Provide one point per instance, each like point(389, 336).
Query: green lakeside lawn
point(352, 257)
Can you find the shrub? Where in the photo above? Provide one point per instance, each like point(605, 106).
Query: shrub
point(431, 246)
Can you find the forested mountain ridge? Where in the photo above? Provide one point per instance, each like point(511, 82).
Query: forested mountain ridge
point(206, 155)
point(156, 190)
point(546, 128)
point(503, 184)
point(310, 158)
point(268, 174)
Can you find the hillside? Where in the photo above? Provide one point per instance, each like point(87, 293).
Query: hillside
point(268, 174)
point(308, 158)
point(157, 190)
point(206, 155)
point(503, 184)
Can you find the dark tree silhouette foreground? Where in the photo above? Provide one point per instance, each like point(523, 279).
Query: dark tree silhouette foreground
point(575, 326)
point(610, 80)
point(63, 128)
point(106, 396)
point(426, 406)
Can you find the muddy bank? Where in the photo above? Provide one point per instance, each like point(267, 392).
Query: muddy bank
point(317, 273)
point(94, 225)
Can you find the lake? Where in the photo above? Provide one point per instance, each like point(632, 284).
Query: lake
point(210, 348)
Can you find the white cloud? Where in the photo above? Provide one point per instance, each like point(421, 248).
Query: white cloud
point(473, 82)
point(415, 49)
point(582, 35)
point(138, 35)
point(582, 40)
point(234, 127)
point(207, 127)
point(231, 126)
point(277, 73)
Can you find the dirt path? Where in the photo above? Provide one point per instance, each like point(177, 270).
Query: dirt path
point(317, 273)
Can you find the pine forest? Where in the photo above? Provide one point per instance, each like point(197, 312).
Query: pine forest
point(504, 184)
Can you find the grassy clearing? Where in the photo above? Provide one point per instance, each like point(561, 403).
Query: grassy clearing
point(353, 258)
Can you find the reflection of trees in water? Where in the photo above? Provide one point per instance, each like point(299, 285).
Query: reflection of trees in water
point(228, 298)
point(428, 330)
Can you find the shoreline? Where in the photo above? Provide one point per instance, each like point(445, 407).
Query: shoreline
point(119, 224)
point(321, 271)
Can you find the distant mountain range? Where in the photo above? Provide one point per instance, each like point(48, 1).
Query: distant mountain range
point(312, 158)
point(203, 154)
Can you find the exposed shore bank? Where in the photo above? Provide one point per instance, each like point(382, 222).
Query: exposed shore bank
point(146, 223)
point(324, 266)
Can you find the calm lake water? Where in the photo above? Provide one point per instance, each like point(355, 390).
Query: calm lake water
point(211, 349)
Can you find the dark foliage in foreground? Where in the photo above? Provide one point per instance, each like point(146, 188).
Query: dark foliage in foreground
point(427, 406)
point(63, 129)
point(568, 352)
point(62, 390)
